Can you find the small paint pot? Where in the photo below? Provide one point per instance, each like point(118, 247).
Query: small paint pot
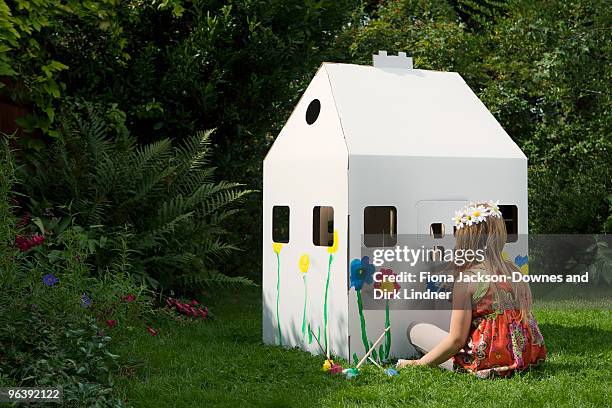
point(350, 373)
point(391, 372)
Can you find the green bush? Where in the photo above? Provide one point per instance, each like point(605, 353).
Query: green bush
point(29, 65)
point(50, 308)
point(154, 209)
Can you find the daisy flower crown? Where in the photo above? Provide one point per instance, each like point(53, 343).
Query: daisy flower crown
point(475, 213)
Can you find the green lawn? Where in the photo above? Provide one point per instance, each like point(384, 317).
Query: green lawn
point(223, 363)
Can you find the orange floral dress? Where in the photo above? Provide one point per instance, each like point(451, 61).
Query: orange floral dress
point(499, 343)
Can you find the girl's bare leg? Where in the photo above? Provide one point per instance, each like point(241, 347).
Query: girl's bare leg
point(425, 336)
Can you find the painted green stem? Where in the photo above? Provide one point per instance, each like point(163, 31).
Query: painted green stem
point(331, 258)
point(364, 334)
point(280, 336)
point(305, 302)
point(388, 333)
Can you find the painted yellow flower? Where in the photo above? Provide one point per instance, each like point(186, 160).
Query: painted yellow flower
point(277, 246)
point(332, 249)
point(304, 263)
point(505, 256)
point(525, 269)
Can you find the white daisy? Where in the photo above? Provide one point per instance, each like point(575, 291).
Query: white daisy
point(494, 209)
point(469, 219)
point(478, 213)
point(458, 219)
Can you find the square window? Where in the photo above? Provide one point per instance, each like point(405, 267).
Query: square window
point(379, 226)
point(323, 226)
point(436, 230)
point(510, 216)
point(280, 224)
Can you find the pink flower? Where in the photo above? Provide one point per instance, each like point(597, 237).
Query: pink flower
point(111, 323)
point(21, 243)
point(151, 331)
point(37, 240)
point(129, 298)
point(194, 302)
point(24, 243)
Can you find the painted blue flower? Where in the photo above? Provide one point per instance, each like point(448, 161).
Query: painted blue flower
point(85, 300)
point(50, 279)
point(362, 271)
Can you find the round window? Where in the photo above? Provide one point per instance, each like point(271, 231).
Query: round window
point(312, 113)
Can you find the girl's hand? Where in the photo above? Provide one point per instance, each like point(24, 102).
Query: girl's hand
point(404, 363)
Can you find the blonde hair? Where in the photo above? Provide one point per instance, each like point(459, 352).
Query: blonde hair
point(489, 236)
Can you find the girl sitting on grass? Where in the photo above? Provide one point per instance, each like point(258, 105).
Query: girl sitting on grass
point(492, 330)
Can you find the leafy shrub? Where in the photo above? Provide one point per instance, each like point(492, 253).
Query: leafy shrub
point(155, 210)
point(49, 334)
point(29, 66)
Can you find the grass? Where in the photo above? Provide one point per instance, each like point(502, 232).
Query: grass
point(223, 363)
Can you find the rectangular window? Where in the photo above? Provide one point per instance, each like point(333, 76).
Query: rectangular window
point(323, 226)
point(379, 226)
point(280, 224)
point(510, 216)
point(436, 230)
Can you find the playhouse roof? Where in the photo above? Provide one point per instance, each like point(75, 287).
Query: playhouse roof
point(398, 111)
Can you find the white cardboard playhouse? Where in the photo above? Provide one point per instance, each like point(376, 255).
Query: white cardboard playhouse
point(383, 149)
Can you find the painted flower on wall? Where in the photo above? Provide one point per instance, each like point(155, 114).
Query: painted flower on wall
point(304, 264)
point(276, 247)
point(523, 263)
point(362, 271)
point(384, 283)
point(387, 284)
point(334, 248)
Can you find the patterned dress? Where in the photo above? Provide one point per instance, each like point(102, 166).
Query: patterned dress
point(499, 342)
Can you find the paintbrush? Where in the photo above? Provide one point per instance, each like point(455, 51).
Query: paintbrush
point(319, 343)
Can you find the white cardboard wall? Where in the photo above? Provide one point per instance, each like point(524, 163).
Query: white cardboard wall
point(307, 167)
